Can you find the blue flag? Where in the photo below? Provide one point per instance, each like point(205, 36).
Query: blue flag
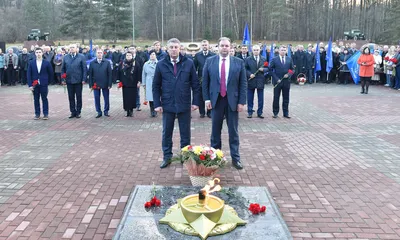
point(329, 57)
point(264, 52)
point(246, 37)
point(354, 67)
point(289, 51)
point(271, 53)
point(317, 60)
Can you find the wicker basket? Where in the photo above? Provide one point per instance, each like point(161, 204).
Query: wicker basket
point(200, 181)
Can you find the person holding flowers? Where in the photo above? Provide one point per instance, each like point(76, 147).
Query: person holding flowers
point(281, 69)
point(130, 77)
point(39, 74)
point(100, 80)
point(366, 62)
point(149, 69)
point(255, 75)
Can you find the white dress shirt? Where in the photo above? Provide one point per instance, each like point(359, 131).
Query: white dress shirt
point(39, 66)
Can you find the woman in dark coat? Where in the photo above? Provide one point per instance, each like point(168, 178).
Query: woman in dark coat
point(344, 74)
point(130, 75)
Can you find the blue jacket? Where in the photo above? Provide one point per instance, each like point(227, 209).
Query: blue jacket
point(236, 87)
point(45, 76)
point(278, 70)
point(200, 61)
point(75, 68)
point(174, 93)
point(101, 74)
point(2, 61)
point(251, 67)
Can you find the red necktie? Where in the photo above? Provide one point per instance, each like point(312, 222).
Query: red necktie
point(175, 67)
point(223, 79)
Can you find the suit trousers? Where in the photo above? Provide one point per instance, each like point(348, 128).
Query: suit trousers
point(284, 88)
point(40, 91)
point(22, 76)
point(106, 97)
point(75, 91)
point(250, 101)
point(2, 76)
point(310, 75)
point(11, 73)
point(220, 110)
point(168, 129)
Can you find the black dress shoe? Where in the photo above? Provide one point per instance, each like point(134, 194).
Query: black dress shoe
point(78, 116)
point(249, 116)
point(128, 114)
point(275, 116)
point(106, 114)
point(164, 164)
point(260, 116)
point(286, 116)
point(237, 164)
point(72, 116)
point(202, 116)
point(98, 116)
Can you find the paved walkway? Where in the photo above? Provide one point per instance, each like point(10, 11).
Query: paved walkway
point(333, 169)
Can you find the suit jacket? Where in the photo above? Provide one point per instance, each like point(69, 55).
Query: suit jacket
point(300, 60)
point(252, 67)
point(241, 56)
point(200, 61)
point(173, 93)
point(310, 60)
point(278, 70)
point(45, 76)
point(236, 86)
point(100, 73)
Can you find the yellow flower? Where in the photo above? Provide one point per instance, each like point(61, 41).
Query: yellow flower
point(197, 150)
point(219, 153)
point(185, 149)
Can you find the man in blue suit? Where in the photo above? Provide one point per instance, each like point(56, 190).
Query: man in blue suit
point(100, 73)
point(280, 67)
point(41, 71)
point(224, 91)
point(174, 80)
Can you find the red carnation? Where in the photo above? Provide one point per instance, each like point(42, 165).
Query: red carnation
point(394, 60)
point(64, 76)
point(266, 64)
point(190, 147)
point(34, 83)
point(386, 58)
point(145, 102)
point(120, 85)
point(256, 209)
point(95, 86)
point(158, 202)
point(290, 71)
point(147, 204)
point(153, 201)
point(263, 208)
point(202, 157)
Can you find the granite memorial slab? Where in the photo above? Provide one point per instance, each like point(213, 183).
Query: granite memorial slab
point(143, 223)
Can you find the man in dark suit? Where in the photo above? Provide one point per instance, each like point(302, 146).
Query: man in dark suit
point(255, 76)
point(41, 71)
point(300, 61)
point(100, 73)
point(74, 66)
point(244, 53)
point(280, 67)
point(174, 80)
point(199, 62)
point(310, 56)
point(224, 91)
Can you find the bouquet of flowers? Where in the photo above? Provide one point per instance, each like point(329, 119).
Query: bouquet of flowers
point(94, 87)
point(301, 78)
point(34, 84)
point(64, 77)
point(201, 160)
point(120, 85)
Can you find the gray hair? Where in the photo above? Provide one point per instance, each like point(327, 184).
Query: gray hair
point(173, 40)
point(224, 39)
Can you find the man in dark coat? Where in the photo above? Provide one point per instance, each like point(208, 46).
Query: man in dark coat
point(244, 53)
point(199, 62)
point(75, 69)
point(174, 80)
point(23, 61)
point(116, 59)
point(300, 61)
point(310, 65)
point(100, 74)
point(279, 68)
point(255, 80)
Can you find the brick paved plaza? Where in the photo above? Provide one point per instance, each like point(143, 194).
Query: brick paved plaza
point(333, 169)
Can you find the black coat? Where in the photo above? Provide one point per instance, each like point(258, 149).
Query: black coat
point(130, 73)
point(323, 61)
point(23, 60)
point(100, 73)
point(251, 67)
point(200, 60)
point(310, 60)
point(300, 61)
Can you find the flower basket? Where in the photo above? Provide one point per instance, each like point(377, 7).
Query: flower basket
point(201, 162)
point(301, 78)
point(200, 181)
